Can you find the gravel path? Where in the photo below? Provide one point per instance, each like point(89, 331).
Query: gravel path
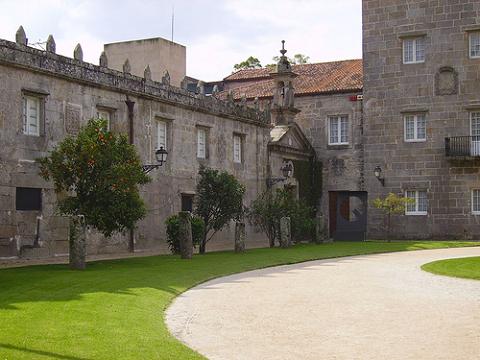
point(362, 307)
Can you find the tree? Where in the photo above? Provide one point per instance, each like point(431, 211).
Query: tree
point(268, 208)
point(250, 63)
point(219, 200)
point(97, 174)
point(296, 60)
point(392, 204)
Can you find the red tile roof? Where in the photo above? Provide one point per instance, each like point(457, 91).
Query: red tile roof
point(320, 78)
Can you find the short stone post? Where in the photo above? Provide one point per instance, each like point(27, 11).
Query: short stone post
point(239, 237)
point(319, 230)
point(185, 234)
point(77, 242)
point(285, 232)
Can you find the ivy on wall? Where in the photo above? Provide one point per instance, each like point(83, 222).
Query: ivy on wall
point(309, 177)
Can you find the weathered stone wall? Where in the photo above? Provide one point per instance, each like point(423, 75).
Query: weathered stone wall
point(392, 88)
point(73, 90)
point(342, 164)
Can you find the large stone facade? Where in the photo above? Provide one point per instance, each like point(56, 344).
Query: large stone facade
point(71, 92)
point(443, 87)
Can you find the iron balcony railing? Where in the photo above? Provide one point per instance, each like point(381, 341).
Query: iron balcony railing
point(464, 146)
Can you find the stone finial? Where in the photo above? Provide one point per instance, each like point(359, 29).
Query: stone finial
point(126, 67)
point(230, 98)
point(201, 87)
point(255, 103)
point(103, 60)
point(20, 36)
point(78, 53)
point(215, 89)
point(166, 78)
point(51, 47)
point(147, 73)
point(184, 83)
point(243, 101)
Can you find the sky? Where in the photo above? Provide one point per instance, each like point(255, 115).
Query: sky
point(217, 34)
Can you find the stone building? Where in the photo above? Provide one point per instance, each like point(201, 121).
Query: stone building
point(45, 97)
point(328, 97)
point(422, 114)
point(159, 54)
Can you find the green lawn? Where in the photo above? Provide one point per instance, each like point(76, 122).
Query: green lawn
point(468, 268)
point(114, 309)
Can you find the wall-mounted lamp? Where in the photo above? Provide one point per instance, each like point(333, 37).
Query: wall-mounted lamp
point(287, 172)
point(161, 157)
point(378, 175)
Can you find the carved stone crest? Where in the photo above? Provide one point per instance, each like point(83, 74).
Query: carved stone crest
point(446, 81)
point(73, 115)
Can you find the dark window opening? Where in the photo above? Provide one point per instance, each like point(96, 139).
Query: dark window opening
point(28, 199)
point(187, 202)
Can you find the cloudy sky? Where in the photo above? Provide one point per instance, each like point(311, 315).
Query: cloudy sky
point(217, 33)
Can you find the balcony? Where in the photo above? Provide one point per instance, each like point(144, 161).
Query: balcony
point(462, 146)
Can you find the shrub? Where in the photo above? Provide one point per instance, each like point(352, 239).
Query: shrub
point(173, 225)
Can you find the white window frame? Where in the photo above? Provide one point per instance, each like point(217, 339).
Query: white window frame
point(237, 145)
point(338, 139)
point(414, 41)
point(415, 127)
point(26, 115)
point(161, 124)
point(100, 115)
point(475, 212)
point(470, 50)
point(416, 204)
point(202, 151)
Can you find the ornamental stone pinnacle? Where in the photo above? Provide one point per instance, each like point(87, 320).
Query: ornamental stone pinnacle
point(78, 53)
point(51, 47)
point(166, 78)
point(147, 73)
point(20, 36)
point(103, 60)
point(126, 67)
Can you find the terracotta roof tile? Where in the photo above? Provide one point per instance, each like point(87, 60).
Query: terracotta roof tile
point(320, 78)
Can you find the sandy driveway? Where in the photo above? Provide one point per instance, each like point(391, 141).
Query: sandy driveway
point(363, 307)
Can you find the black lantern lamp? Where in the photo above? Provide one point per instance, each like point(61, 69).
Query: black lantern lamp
point(161, 157)
point(378, 174)
point(287, 171)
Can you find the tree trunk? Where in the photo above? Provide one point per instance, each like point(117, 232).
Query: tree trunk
point(285, 233)
point(77, 243)
point(185, 234)
point(203, 244)
point(388, 227)
point(239, 237)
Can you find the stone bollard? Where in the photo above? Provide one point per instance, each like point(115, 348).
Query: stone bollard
point(185, 234)
point(319, 230)
point(285, 233)
point(239, 237)
point(77, 242)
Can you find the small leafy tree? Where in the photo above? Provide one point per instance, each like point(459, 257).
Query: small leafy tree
point(173, 226)
point(250, 63)
point(98, 173)
point(268, 208)
point(295, 60)
point(219, 200)
point(392, 204)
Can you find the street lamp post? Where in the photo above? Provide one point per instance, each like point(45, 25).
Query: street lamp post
point(161, 156)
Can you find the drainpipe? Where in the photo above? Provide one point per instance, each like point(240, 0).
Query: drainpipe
point(130, 106)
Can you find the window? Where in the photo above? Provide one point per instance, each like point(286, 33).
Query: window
point(476, 201)
point(201, 143)
point(474, 40)
point(237, 148)
point(475, 133)
point(187, 202)
point(28, 199)
point(31, 115)
point(105, 115)
point(415, 128)
point(161, 134)
point(338, 130)
point(419, 207)
point(414, 50)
